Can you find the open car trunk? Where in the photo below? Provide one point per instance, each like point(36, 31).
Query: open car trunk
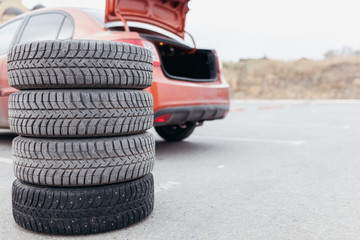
point(178, 62)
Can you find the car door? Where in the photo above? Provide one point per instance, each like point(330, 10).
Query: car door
point(7, 35)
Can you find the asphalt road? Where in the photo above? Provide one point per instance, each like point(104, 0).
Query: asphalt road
point(270, 170)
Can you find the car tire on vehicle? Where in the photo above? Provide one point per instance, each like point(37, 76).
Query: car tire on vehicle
point(82, 210)
point(83, 162)
point(79, 64)
point(175, 133)
point(80, 113)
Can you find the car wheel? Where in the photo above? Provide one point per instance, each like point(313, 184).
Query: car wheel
point(80, 113)
point(174, 133)
point(83, 162)
point(74, 211)
point(79, 64)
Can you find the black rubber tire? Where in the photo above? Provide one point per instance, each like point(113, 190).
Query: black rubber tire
point(82, 210)
point(174, 133)
point(80, 113)
point(83, 162)
point(79, 64)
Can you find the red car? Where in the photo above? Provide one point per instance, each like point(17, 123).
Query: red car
point(188, 87)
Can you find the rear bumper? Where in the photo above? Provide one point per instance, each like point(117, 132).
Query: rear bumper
point(191, 114)
point(188, 101)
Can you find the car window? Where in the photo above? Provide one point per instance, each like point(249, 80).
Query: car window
point(66, 30)
point(42, 27)
point(7, 34)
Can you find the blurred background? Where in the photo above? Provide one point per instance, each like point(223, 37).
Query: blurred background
point(277, 49)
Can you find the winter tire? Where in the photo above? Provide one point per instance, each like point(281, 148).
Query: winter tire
point(82, 210)
point(79, 162)
point(80, 113)
point(79, 64)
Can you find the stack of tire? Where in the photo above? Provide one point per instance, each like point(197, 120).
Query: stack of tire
point(83, 159)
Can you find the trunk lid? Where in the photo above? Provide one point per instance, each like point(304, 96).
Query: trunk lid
point(166, 14)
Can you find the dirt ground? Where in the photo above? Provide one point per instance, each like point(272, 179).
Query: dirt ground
point(331, 78)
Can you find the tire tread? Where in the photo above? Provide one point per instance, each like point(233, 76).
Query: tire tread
point(79, 64)
point(83, 162)
point(80, 113)
point(76, 211)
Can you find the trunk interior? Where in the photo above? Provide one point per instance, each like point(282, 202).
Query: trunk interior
point(179, 63)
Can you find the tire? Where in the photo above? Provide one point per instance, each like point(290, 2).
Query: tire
point(79, 64)
point(83, 162)
point(174, 133)
point(76, 211)
point(80, 113)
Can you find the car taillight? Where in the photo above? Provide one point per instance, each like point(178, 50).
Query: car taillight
point(163, 118)
point(145, 44)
